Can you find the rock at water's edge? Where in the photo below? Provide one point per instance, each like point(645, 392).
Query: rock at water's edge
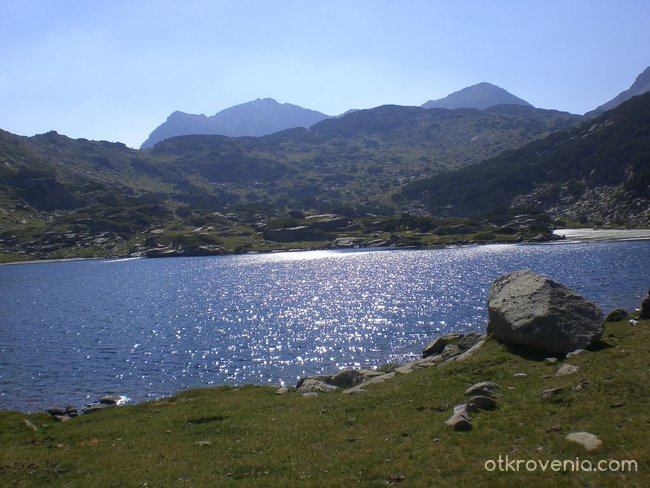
point(527, 309)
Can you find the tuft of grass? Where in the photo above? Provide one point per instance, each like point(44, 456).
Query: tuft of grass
point(394, 434)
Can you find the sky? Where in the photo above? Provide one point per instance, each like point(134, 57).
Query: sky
point(115, 70)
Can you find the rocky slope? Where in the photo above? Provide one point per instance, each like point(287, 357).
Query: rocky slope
point(640, 86)
point(596, 172)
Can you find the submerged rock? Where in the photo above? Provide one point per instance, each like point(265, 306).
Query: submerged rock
point(527, 309)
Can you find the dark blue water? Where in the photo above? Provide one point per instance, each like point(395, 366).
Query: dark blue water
point(71, 332)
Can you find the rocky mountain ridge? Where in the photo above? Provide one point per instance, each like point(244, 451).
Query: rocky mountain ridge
point(640, 86)
point(256, 118)
point(480, 96)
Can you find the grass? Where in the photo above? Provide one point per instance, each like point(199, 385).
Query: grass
point(392, 434)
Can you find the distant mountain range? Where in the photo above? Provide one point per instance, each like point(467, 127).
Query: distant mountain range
point(480, 96)
point(265, 116)
point(640, 86)
point(64, 197)
point(257, 118)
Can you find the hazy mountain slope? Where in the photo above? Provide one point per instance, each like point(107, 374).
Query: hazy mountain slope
point(256, 118)
point(479, 96)
point(640, 86)
point(597, 172)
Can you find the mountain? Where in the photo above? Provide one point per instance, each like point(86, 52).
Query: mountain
point(640, 86)
point(257, 118)
point(479, 96)
point(355, 160)
point(597, 172)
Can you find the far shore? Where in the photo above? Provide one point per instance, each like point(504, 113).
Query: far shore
point(584, 235)
point(567, 236)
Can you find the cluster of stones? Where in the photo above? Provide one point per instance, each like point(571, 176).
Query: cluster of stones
point(482, 396)
point(68, 413)
point(54, 240)
point(442, 350)
point(63, 414)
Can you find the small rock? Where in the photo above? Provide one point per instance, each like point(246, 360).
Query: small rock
point(458, 421)
point(311, 385)
point(485, 388)
point(203, 443)
point(645, 307)
point(589, 441)
point(552, 393)
point(310, 394)
point(462, 409)
point(450, 350)
point(96, 407)
point(470, 340)
point(616, 404)
point(520, 375)
point(634, 322)
point(550, 360)
point(56, 411)
point(575, 354)
point(437, 345)
point(482, 403)
point(616, 315)
point(282, 391)
point(567, 369)
point(111, 400)
point(61, 418)
point(71, 411)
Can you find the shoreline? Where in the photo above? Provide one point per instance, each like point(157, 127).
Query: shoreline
point(563, 236)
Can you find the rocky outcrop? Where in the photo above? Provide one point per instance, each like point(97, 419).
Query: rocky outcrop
point(451, 347)
point(527, 309)
point(180, 251)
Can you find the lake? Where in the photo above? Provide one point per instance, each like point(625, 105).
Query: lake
point(73, 331)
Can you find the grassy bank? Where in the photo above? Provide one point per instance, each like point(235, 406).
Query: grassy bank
point(394, 434)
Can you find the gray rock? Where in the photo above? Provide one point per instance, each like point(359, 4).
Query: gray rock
point(552, 393)
point(589, 441)
point(484, 388)
point(531, 310)
point(470, 340)
point(459, 421)
point(96, 407)
point(550, 360)
point(575, 354)
point(519, 375)
point(311, 385)
point(645, 307)
point(450, 350)
point(566, 369)
point(616, 315)
point(437, 345)
point(282, 391)
point(482, 403)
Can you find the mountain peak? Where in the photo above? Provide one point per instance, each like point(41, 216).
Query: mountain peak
point(640, 86)
point(480, 96)
point(255, 118)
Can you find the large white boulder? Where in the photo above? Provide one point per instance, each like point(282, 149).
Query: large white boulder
point(531, 310)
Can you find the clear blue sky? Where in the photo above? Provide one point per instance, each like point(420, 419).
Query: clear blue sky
point(115, 70)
